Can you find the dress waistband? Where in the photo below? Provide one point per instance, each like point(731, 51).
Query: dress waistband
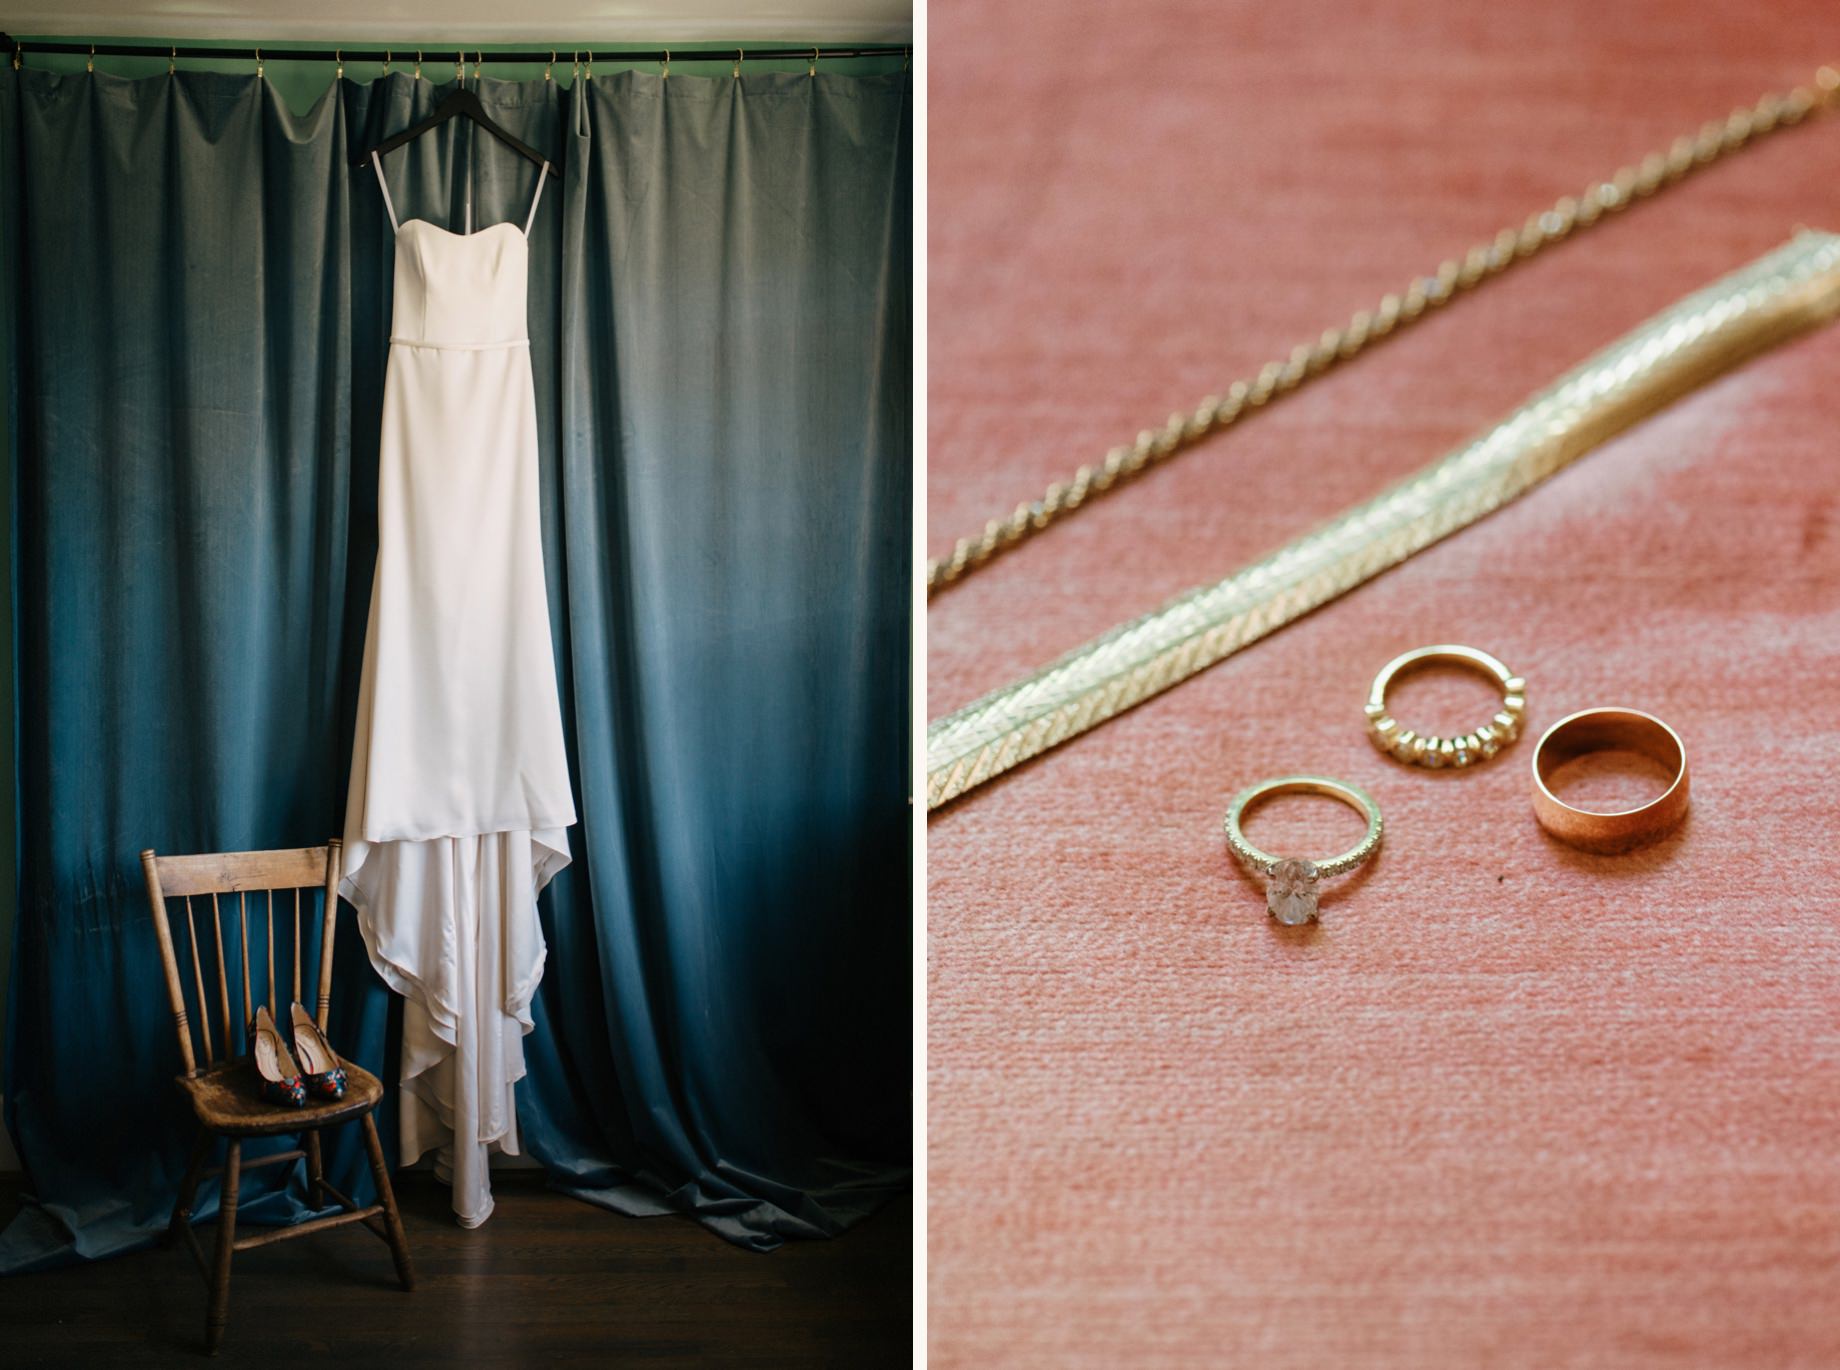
point(460, 346)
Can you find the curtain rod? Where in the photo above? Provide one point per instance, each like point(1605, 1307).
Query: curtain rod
point(436, 55)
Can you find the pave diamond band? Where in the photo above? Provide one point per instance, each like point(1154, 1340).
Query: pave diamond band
point(1415, 749)
point(1290, 882)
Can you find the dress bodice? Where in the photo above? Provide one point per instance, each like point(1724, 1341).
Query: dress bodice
point(460, 290)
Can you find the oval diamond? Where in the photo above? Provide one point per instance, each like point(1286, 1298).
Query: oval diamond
point(1290, 891)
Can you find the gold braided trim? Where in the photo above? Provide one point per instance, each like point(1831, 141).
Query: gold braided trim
point(1715, 140)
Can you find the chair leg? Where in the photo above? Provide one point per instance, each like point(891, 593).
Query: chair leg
point(188, 1187)
point(316, 1197)
point(219, 1311)
point(392, 1220)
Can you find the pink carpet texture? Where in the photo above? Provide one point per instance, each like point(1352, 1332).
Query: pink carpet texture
point(1509, 1105)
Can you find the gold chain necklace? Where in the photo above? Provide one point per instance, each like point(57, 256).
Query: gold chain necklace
point(1794, 289)
point(1688, 153)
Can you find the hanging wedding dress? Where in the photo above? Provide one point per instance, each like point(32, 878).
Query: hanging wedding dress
point(459, 786)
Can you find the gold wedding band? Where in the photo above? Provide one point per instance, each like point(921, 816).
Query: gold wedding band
point(1290, 882)
point(1601, 730)
point(1403, 744)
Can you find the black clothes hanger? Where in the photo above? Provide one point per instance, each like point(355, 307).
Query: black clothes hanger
point(458, 104)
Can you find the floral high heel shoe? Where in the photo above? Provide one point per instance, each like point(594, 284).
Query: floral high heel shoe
point(325, 1073)
point(281, 1082)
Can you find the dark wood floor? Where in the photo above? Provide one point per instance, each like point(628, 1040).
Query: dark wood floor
point(548, 1282)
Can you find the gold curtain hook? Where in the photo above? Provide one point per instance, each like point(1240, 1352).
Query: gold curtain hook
point(172, 62)
point(588, 71)
point(338, 56)
point(740, 53)
point(258, 64)
point(460, 68)
point(479, 60)
point(418, 64)
point(386, 61)
point(812, 70)
point(17, 50)
point(552, 65)
point(90, 66)
point(575, 66)
point(666, 73)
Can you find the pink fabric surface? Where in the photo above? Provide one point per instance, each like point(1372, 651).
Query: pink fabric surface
point(1510, 1105)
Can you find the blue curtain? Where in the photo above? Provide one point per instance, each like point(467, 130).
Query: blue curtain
point(196, 295)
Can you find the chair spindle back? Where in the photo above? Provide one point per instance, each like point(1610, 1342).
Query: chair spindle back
point(239, 873)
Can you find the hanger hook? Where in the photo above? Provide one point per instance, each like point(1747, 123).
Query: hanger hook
point(740, 55)
point(338, 71)
point(666, 73)
point(460, 68)
point(552, 65)
point(812, 70)
point(386, 61)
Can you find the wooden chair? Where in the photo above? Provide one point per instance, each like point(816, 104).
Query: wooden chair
point(223, 1091)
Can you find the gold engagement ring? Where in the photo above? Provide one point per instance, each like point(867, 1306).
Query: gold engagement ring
point(1290, 882)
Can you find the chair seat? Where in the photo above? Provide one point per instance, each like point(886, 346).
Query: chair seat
point(227, 1098)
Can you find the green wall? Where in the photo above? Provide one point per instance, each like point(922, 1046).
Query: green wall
point(300, 84)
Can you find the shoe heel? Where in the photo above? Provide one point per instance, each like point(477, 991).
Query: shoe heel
point(275, 1068)
point(323, 1072)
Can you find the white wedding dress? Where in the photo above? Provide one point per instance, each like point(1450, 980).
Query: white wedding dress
point(459, 785)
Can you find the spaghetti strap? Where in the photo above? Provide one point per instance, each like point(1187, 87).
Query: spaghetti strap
point(384, 186)
point(536, 199)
